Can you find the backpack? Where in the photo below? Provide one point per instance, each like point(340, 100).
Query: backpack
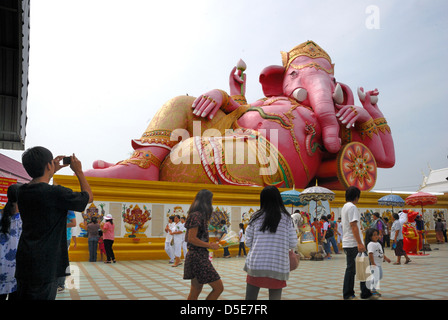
point(330, 231)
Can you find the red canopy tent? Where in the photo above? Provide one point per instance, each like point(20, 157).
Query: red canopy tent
point(421, 199)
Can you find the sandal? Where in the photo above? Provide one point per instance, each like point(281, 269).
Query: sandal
point(397, 263)
point(407, 261)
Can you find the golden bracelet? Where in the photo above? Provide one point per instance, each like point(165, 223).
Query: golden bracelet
point(367, 128)
point(240, 99)
point(225, 99)
point(382, 125)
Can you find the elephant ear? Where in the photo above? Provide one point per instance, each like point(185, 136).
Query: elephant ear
point(271, 79)
point(348, 94)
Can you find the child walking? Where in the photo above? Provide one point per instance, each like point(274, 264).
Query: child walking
point(376, 257)
point(242, 237)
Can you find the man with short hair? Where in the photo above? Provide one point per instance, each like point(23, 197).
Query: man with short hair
point(352, 244)
point(42, 254)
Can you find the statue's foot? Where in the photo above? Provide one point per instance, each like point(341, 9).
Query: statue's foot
point(143, 165)
point(100, 164)
point(125, 171)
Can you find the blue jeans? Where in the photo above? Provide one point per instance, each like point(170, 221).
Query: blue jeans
point(327, 246)
point(226, 251)
point(93, 246)
point(349, 277)
point(332, 240)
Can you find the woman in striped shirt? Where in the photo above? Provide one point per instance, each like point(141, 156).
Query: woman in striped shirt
point(270, 235)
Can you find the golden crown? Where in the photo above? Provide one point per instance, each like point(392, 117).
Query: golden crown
point(309, 49)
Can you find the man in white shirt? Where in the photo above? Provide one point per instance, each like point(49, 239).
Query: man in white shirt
point(352, 243)
point(339, 228)
point(178, 234)
point(184, 243)
point(168, 247)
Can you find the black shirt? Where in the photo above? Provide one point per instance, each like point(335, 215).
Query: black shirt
point(42, 254)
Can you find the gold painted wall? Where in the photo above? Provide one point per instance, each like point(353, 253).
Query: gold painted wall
point(121, 190)
point(161, 195)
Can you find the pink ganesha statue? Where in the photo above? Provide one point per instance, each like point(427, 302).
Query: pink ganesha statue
point(305, 128)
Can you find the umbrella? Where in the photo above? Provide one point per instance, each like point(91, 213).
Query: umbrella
point(421, 199)
point(292, 197)
point(391, 200)
point(316, 193)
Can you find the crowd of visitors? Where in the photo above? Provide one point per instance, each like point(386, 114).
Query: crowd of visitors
point(36, 232)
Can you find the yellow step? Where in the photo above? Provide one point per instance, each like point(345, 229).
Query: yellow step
point(130, 249)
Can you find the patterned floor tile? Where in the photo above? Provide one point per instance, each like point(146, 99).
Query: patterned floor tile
point(313, 280)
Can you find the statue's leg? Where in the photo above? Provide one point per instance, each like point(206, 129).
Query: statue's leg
point(233, 160)
point(156, 142)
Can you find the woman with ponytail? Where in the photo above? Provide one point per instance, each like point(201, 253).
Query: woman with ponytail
point(10, 230)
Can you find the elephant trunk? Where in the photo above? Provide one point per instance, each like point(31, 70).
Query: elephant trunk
point(320, 95)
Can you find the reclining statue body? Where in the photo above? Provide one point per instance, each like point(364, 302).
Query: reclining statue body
point(304, 120)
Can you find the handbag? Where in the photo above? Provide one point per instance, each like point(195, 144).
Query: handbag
point(362, 263)
point(294, 260)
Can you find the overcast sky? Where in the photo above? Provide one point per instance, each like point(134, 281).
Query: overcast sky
point(100, 69)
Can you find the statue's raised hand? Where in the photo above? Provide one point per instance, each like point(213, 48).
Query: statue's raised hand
point(369, 101)
point(237, 79)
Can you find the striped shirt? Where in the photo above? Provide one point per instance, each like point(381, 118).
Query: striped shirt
point(269, 252)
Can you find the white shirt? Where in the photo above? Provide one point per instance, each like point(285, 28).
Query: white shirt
point(176, 227)
point(184, 230)
point(377, 250)
point(340, 228)
point(168, 236)
point(242, 236)
point(396, 226)
point(403, 217)
point(349, 214)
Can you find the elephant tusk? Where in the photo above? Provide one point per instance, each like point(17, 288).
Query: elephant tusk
point(373, 99)
point(338, 95)
point(361, 95)
point(300, 94)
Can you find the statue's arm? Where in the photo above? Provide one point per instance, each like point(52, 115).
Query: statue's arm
point(369, 127)
point(208, 104)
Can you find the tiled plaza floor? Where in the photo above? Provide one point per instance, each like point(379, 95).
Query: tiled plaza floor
point(425, 278)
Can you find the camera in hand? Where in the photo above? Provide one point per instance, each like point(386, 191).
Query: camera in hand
point(66, 160)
